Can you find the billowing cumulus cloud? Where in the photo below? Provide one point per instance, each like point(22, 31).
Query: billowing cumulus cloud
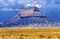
point(22, 2)
point(37, 3)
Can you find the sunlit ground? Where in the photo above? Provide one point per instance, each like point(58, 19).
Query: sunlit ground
point(29, 33)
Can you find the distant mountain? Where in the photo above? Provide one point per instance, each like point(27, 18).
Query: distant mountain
point(28, 17)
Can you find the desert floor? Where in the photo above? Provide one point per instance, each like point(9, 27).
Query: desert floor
point(29, 33)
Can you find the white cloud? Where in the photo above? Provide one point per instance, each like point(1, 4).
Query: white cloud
point(4, 9)
point(12, 2)
point(28, 5)
point(38, 5)
point(7, 2)
point(32, 5)
point(24, 2)
point(35, 2)
point(1, 0)
point(52, 1)
point(3, 3)
point(7, 9)
point(10, 9)
point(52, 4)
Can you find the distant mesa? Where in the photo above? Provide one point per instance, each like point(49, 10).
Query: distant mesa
point(28, 17)
point(31, 12)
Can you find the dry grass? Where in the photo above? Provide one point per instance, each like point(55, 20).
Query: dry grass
point(29, 33)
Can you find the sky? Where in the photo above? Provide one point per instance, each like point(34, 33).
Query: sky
point(9, 8)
